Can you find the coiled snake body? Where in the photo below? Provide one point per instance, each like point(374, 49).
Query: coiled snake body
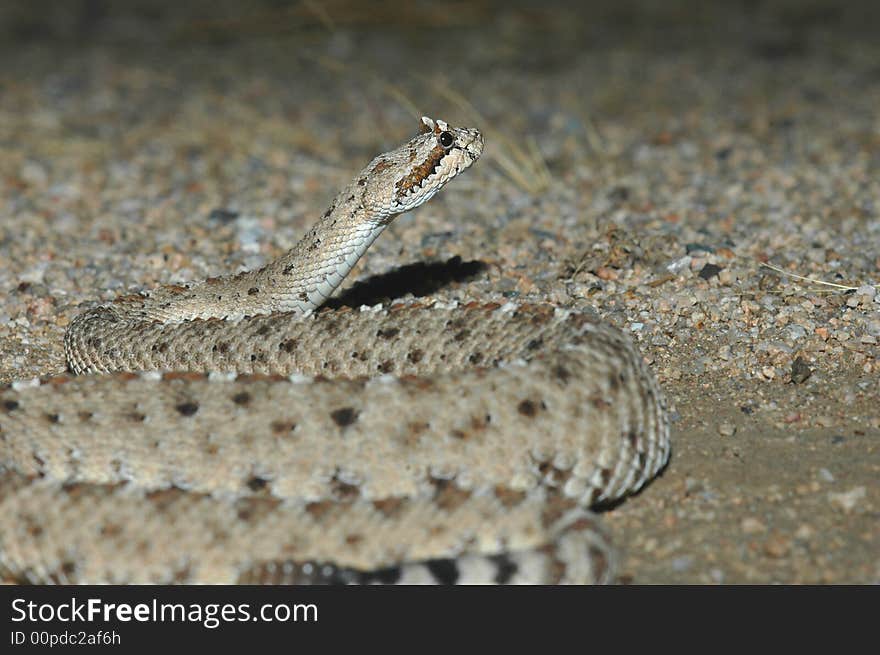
point(262, 442)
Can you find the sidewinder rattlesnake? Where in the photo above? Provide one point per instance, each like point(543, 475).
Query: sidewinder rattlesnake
point(245, 437)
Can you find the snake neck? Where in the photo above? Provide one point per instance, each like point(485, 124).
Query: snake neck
point(301, 279)
point(308, 274)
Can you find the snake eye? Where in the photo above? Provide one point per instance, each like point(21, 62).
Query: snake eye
point(446, 139)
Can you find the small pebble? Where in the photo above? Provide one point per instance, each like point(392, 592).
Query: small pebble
point(697, 248)
point(223, 215)
point(867, 291)
point(692, 486)
point(726, 429)
point(752, 525)
point(777, 545)
point(804, 532)
point(800, 370)
point(709, 271)
point(848, 500)
point(682, 563)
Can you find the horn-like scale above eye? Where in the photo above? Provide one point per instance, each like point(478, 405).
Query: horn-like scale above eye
point(446, 139)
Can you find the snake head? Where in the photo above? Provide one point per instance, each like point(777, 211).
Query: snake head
point(411, 174)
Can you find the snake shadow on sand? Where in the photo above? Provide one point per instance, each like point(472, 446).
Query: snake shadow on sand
point(419, 279)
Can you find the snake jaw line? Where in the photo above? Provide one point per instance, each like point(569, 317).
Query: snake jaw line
point(436, 155)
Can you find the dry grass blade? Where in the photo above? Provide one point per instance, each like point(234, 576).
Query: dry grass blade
point(525, 167)
point(593, 136)
point(782, 271)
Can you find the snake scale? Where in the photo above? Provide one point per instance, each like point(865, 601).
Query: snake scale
point(225, 431)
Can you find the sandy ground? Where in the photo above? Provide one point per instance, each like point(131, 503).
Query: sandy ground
point(643, 163)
